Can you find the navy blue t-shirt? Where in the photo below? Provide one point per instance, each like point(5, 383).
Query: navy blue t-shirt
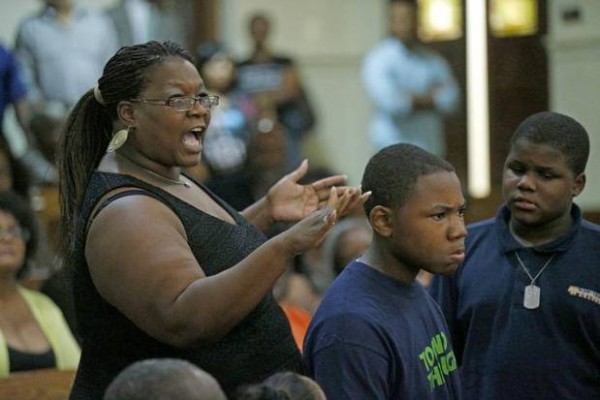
point(375, 338)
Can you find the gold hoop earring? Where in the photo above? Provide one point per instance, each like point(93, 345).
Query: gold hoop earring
point(118, 140)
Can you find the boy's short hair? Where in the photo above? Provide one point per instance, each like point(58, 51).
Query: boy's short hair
point(560, 132)
point(392, 173)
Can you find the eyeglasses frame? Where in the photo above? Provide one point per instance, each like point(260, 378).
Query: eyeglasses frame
point(207, 101)
point(15, 232)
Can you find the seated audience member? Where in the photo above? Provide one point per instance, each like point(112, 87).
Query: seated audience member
point(14, 175)
point(296, 296)
point(524, 307)
point(45, 126)
point(377, 333)
point(33, 331)
point(348, 240)
point(283, 386)
point(164, 379)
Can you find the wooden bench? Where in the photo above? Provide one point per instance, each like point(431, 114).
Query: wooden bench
point(43, 384)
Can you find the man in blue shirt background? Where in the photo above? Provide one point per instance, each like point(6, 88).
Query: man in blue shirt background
point(12, 90)
point(411, 88)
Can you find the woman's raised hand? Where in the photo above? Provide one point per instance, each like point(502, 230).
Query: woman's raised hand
point(291, 201)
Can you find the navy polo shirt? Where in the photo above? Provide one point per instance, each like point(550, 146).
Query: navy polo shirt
point(507, 351)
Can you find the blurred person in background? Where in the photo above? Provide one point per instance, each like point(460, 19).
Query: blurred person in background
point(62, 49)
point(45, 125)
point(412, 88)
point(138, 21)
point(14, 175)
point(275, 79)
point(232, 128)
point(14, 93)
point(347, 241)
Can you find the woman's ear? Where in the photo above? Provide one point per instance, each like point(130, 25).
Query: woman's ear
point(381, 220)
point(126, 113)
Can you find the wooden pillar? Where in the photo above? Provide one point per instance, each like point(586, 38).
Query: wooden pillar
point(206, 22)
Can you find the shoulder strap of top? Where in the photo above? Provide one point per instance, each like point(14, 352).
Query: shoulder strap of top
point(118, 193)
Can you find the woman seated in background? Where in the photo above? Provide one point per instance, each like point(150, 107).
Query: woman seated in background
point(33, 331)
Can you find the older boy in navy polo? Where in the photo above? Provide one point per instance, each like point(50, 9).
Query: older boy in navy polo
point(524, 308)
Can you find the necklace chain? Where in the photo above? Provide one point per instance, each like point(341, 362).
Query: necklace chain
point(533, 279)
point(157, 176)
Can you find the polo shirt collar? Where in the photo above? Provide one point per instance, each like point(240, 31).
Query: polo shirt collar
point(560, 244)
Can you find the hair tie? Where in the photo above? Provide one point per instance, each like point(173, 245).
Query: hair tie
point(98, 94)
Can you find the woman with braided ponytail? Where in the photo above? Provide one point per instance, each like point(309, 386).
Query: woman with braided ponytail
point(161, 266)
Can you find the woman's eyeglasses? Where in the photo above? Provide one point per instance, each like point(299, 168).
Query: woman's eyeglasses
point(185, 103)
point(15, 232)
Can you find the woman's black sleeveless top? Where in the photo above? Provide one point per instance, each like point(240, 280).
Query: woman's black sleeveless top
point(259, 346)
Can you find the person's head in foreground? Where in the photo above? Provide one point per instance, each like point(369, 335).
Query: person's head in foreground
point(416, 210)
point(164, 379)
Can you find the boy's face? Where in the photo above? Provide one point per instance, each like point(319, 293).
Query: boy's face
point(538, 185)
point(428, 231)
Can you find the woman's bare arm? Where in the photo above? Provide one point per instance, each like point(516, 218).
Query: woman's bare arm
point(141, 263)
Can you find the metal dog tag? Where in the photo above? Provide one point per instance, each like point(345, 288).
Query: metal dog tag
point(531, 300)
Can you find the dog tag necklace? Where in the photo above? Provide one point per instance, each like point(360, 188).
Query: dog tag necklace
point(531, 299)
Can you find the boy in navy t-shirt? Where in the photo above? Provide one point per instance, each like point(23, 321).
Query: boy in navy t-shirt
point(377, 334)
